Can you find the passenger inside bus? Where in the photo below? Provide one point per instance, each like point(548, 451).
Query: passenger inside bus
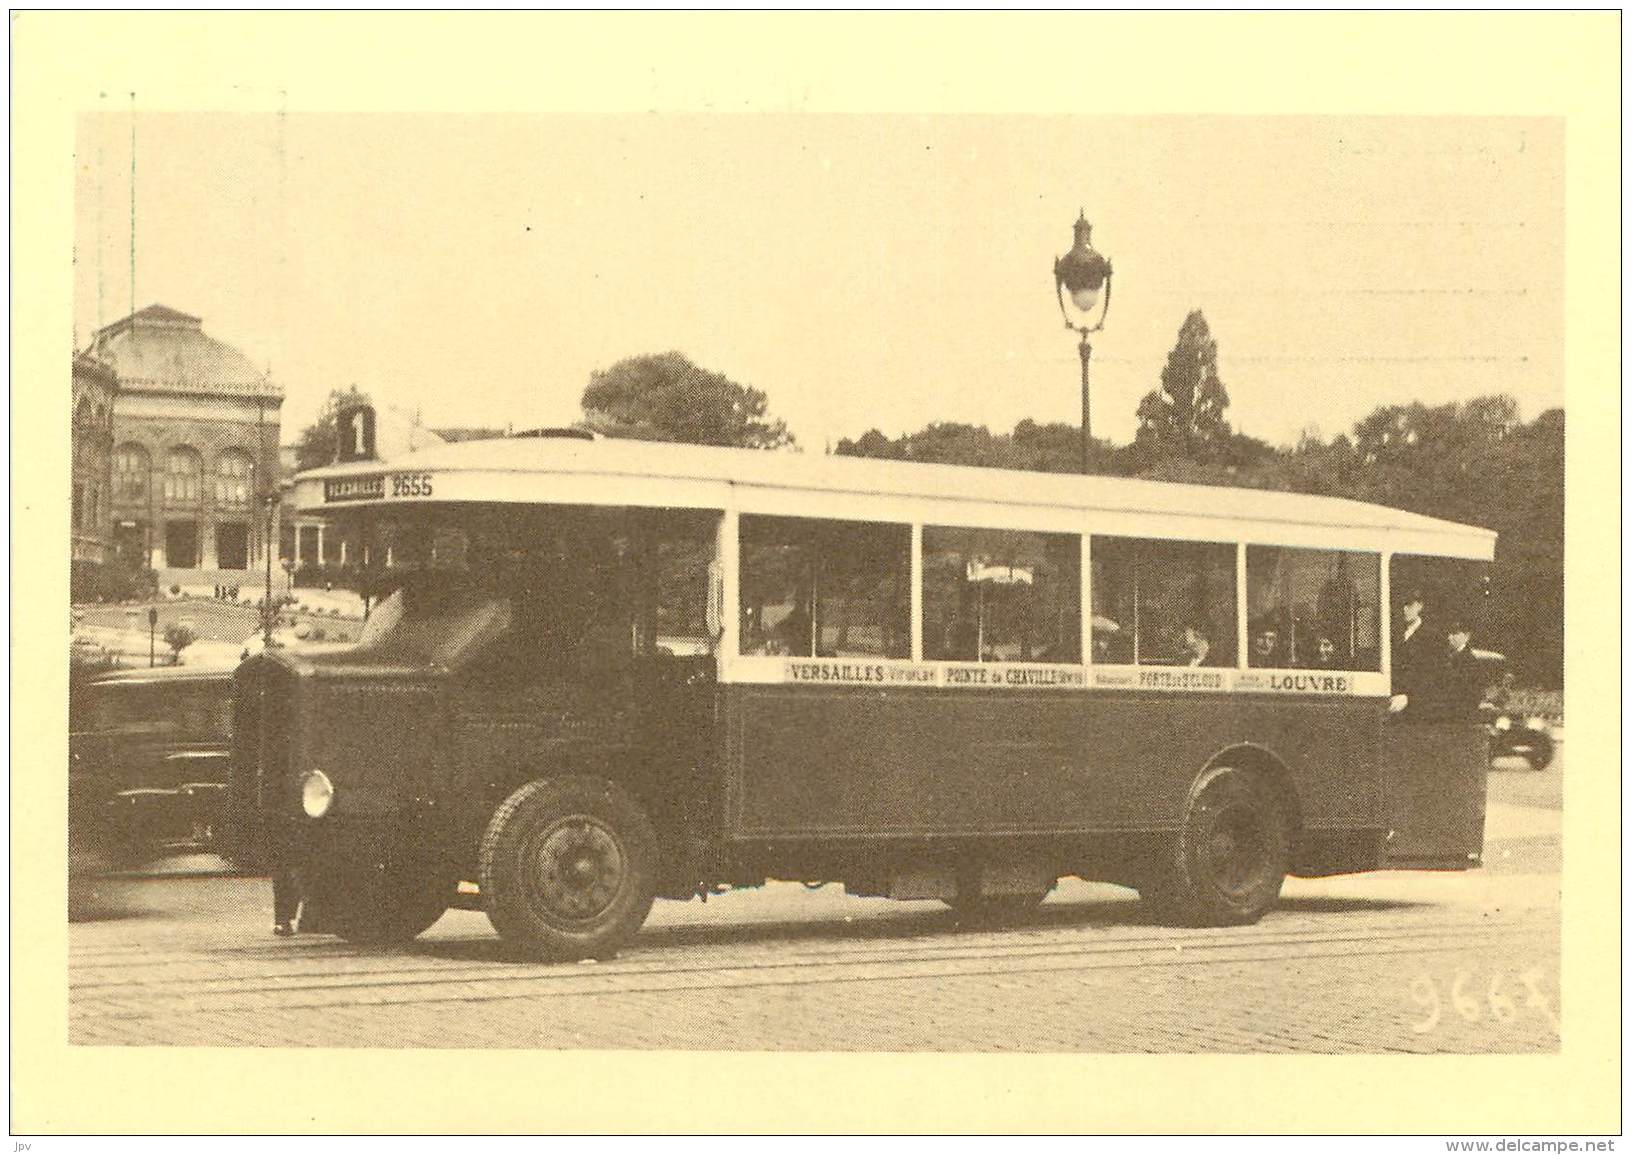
point(1197, 649)
point(1267, 652)
point(815, 588)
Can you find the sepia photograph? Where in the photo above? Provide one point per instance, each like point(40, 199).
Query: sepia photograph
point(795, 581)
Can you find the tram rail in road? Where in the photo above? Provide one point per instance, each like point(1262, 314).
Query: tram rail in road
point(123, 982)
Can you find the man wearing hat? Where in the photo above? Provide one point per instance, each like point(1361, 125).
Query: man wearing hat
point(1461, 677)
point(1413, 658)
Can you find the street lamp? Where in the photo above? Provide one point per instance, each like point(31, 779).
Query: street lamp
point(270, 501)
point(1081, 274)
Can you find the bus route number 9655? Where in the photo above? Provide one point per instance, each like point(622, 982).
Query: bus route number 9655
point(410, 485)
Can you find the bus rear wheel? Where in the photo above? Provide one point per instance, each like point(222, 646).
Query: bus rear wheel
point(568, 868)
point(1231, 855)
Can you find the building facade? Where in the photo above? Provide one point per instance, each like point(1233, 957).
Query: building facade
point(95, 390)
point(194, 441)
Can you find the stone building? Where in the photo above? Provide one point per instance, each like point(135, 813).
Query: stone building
point(94, 392)
point(194, 439)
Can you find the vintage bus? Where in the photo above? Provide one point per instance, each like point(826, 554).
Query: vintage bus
point(610, 671)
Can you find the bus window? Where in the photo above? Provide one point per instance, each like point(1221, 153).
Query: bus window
point(683, 553)
point(998, 596)
point(1313, 608)
point(825, 588)
point(1163, 603)
point(777, 575)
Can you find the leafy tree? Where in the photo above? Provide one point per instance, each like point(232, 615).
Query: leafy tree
point(1184, 417)
point(178, 636)
point(318, 444)
point(1052, 448)
point(664, 397)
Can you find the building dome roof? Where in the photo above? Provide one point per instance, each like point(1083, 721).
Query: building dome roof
point(163, 350)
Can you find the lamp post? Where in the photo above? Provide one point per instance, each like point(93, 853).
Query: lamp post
point(270, 501)
point(1081, 274)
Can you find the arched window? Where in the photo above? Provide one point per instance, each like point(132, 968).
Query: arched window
point(233, 470)
point(84, 434)
point(183, 476)
point(132, 471)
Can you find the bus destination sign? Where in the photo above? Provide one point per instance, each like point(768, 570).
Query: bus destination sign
point(374, 487)
point(366, 488)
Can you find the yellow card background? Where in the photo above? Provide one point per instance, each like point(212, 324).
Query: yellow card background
point(1261, 64)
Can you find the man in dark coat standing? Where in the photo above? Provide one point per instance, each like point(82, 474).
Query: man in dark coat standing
point(1462, 677)
point(1413, 658)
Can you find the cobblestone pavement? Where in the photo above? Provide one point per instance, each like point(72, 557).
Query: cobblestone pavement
point(1375, 963)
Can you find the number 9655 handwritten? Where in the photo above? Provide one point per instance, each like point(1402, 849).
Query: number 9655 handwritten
point(1464, 1000)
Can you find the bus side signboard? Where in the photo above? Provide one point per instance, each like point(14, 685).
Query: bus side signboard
point(377, 486)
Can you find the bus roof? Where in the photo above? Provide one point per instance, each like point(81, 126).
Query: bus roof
point(542, 470)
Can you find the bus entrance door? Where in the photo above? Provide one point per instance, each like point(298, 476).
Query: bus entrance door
point(1434, 778)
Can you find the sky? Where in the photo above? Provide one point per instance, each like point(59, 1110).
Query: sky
point(865, 271)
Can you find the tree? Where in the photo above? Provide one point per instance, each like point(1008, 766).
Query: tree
point(318, 444)
point(178, 636)
point(1052, 448)
point(1184, 417)
point(664, 397)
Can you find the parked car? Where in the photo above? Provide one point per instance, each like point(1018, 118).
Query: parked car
point(1514, 736)
point(1511, 734)
point(149, 751)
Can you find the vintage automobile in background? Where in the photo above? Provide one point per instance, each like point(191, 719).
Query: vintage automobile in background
point(1512, 733)
point(149, 751)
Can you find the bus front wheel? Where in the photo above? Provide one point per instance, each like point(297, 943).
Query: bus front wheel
point(568, 868)
point(1231, 855)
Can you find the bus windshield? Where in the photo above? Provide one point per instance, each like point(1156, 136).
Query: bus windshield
point(534, 590)
point(434, 620)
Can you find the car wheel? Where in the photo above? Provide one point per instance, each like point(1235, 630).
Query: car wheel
point(568, 868)
point(1229, 860)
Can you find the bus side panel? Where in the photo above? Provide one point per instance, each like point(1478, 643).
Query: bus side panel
point(1435, 776)
point(807, 761)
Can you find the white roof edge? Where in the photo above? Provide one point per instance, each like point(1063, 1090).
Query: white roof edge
point(773, 476)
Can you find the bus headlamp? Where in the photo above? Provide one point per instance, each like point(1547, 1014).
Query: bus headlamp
point(1535, 722)
point(316, 794)
point(1503, 723)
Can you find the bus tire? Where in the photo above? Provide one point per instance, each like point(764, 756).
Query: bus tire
point(1230, 858)
point(568, 868)
point(397, 905)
